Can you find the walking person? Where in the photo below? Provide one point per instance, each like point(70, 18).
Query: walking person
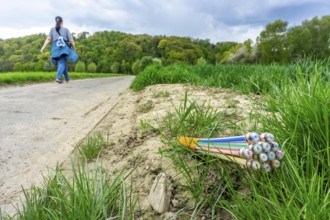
point(63, 49)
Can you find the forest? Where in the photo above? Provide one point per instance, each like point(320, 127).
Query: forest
point(117, 52)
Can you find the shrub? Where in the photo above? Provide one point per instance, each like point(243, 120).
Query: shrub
point(91, 68)
point(80, 67)
point(115, 67)
point(136, 67)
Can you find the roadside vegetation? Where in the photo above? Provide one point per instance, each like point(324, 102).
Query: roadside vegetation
point(92, 146)
point(19, 78)
point(87, 192)
point(296, 99)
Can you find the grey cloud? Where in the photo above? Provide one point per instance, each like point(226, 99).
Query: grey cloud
point(215, 19)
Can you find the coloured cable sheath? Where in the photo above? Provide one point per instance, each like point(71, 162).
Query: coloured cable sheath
point(275, 163)
point(271, 155)
point(274, 146)
point(240, 152)
point(224, 145)
point(261, 157)
point(266, 167)
point(268, 137)
point(189, 142)
point(255, 148)
point(279, 154)
point(243, 152)
point(265, 146)
point(249, 163)
point(250, 137)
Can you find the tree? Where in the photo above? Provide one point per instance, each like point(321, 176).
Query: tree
point(176, 49)
point(125, 67)
point(104, 66)
point(320, 35)
point(48, 66)
point(207, 49)
point(221, 48)
point(299, 42)
point(273, 43)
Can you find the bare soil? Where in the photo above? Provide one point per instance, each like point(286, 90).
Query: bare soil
point(130, 146)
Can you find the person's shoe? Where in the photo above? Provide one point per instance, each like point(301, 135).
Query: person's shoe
point(58, 81)
point(67, 81)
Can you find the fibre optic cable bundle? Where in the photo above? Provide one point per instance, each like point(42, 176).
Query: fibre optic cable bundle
point(252, 150)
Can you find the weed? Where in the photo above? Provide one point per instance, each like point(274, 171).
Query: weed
point(90, 194)
point(196, 119)
point(92, 146)
point(163, 94)
point(146, 128)
point(145, 107)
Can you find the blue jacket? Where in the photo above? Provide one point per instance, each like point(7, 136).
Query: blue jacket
point(58, 51)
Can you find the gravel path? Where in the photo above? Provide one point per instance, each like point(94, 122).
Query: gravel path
point(41, 123)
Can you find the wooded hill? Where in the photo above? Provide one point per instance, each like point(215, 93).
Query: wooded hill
point(110, 51)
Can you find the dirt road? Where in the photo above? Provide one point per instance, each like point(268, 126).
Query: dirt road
point(40, 124)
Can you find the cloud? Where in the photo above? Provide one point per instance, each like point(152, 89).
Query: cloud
point(225, 20)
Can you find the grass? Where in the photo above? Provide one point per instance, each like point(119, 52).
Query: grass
point(92, 146)
point(298, 112)
point(247, 79)
point(145, 107)
point(89, 193)
point(193, 118)
point(297, 102)
point(204, 177)
point(300, 117)
point(18, 78)
point(161, 94)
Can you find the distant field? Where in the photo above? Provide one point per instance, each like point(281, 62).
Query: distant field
point(18, 78)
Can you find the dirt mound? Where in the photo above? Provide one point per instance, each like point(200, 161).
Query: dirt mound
point(131, 145)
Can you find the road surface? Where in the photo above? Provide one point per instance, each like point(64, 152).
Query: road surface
point(41, 123)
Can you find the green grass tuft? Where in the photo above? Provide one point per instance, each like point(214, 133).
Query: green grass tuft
point(92, 146)
point(90, 193)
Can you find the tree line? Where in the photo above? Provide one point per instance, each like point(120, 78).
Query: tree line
point(112, 51)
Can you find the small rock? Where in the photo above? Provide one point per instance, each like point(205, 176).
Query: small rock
point(145, 206)
point(175, 203)
point(159, 196)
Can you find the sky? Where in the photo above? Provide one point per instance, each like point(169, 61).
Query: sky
point(216, 20)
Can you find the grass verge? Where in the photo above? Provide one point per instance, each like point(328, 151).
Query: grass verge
point(19, 78)
point(86, 193)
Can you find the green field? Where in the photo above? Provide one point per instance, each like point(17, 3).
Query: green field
point(18, 78)
point(297, 99)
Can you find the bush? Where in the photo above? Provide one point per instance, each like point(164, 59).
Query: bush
point(139, 65)
point(91, 68)
point(136, 67)
point(80, 67)
point(115, 67)
point(145, 61)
